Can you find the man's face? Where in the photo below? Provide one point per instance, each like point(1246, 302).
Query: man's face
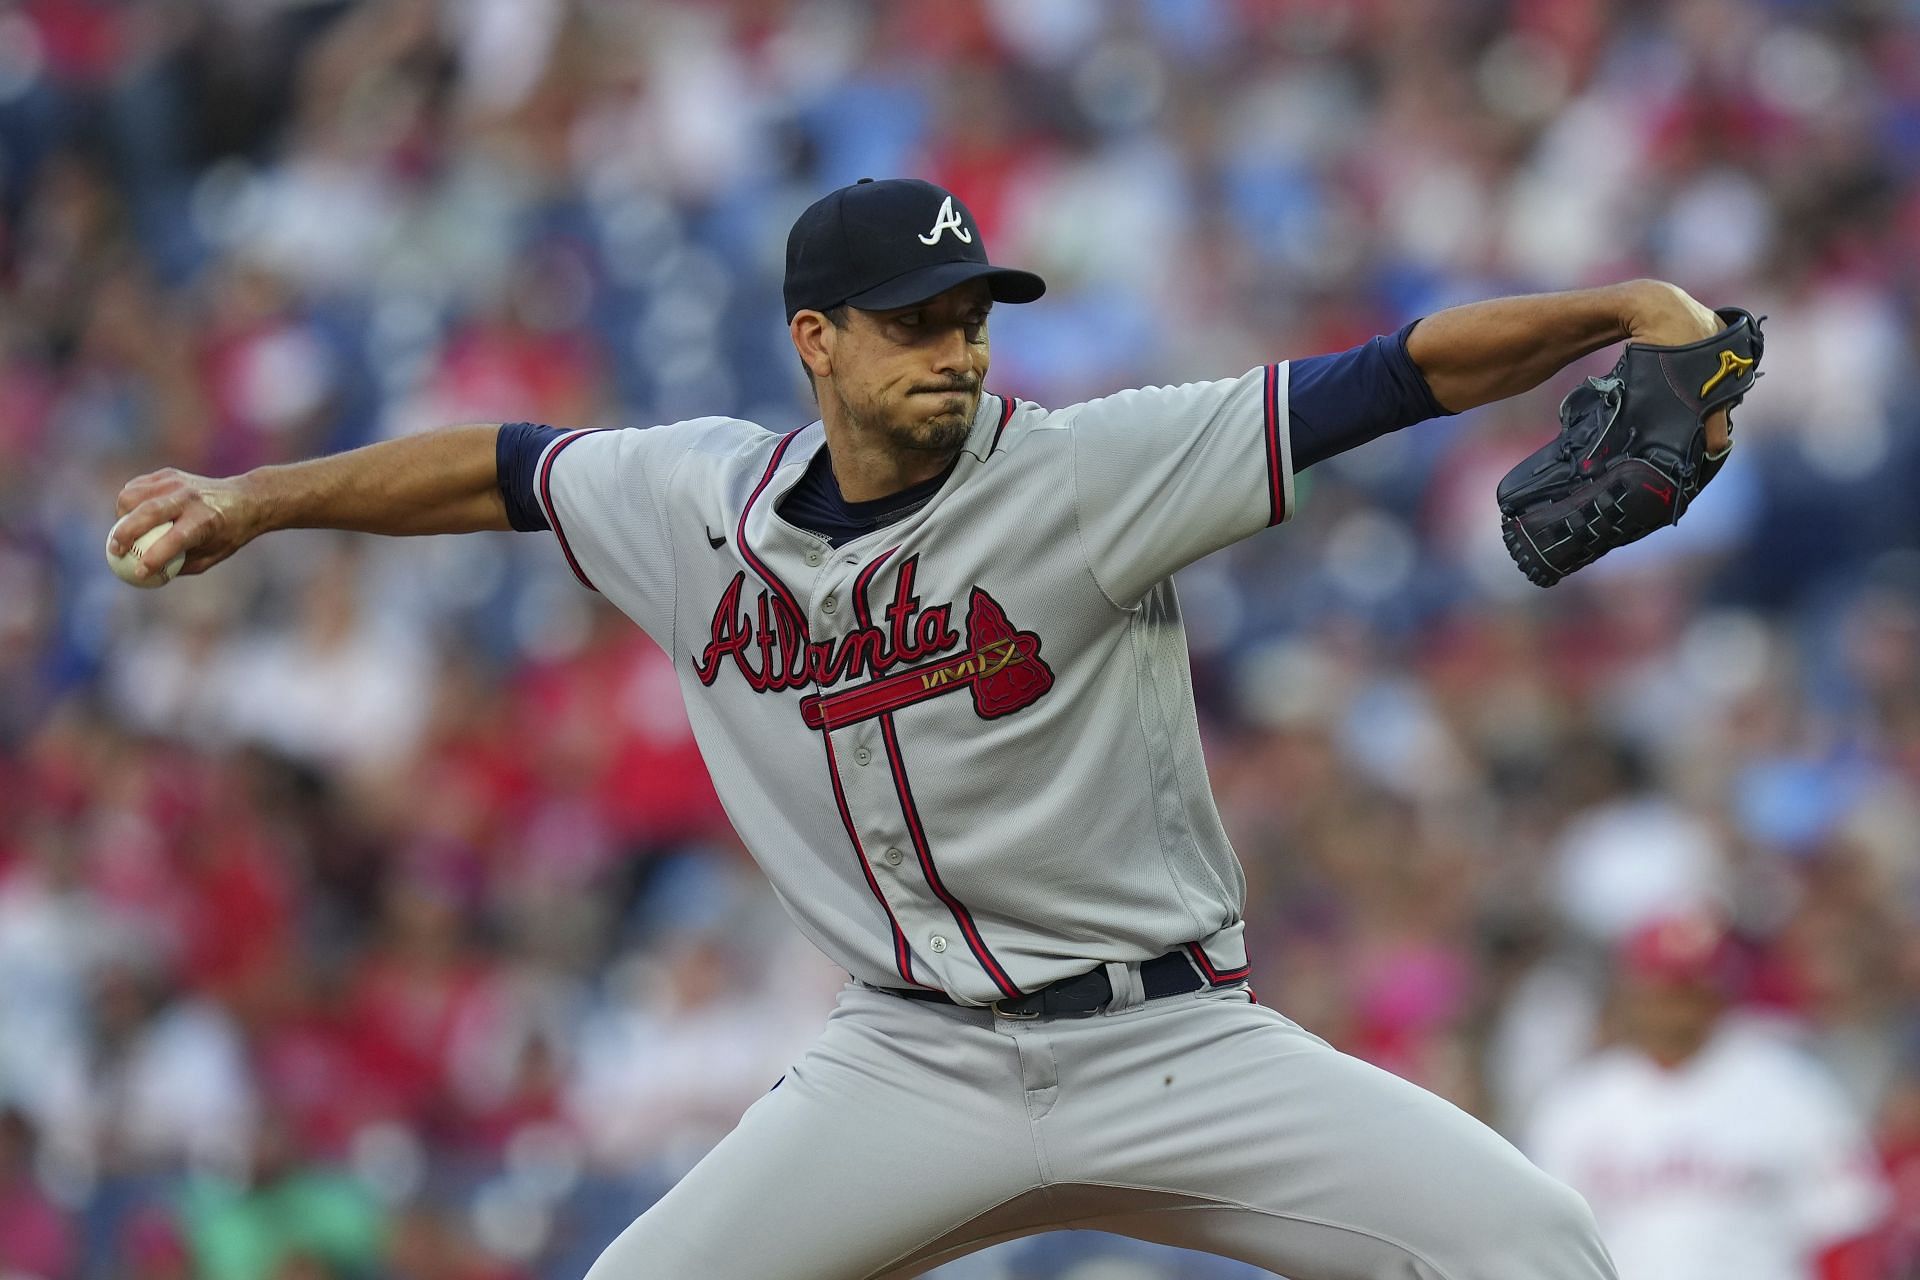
point(1669, 1020)
point(914, 374)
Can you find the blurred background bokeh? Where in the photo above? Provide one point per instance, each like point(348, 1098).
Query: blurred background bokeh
point(365, 911)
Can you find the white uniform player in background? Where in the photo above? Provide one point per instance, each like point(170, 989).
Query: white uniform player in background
point(1709, 1144)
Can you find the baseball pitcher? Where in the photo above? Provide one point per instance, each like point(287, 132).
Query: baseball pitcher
point(934, 659)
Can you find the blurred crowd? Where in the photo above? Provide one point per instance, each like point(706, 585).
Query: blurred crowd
point(365, 910)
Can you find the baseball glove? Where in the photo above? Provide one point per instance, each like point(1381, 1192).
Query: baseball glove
point(1631, 454)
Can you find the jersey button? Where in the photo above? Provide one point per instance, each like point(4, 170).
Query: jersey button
point(814, 557)
point(829, 605)
point(861, 755)
point(938, 943)
point(894, 857)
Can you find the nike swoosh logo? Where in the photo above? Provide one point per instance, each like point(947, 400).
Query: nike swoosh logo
point(714, 542)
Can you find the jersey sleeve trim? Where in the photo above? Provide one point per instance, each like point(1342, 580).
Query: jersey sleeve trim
point(1007, 405)
point(552, 513)
point(1279, 450)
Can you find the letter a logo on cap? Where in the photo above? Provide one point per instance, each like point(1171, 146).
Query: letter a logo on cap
point(949, 220)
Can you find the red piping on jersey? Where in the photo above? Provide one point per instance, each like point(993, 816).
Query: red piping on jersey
point(961, 916)
point(1007, 405)
point(766, 575)
point(902, 957)
point(1276, 474)
point(553, 516)
point(861, 609)
point(1216, 977)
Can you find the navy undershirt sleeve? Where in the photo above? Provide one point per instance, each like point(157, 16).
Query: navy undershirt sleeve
point(1339, 402)
point(516, 459)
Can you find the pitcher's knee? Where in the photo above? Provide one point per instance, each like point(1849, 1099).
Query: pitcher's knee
point(1551, 1235)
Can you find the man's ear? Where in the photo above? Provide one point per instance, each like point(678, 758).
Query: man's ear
point(813, 336)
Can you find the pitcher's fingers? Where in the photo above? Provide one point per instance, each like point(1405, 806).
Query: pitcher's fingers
point(139, 489)
point(130, 495)
point(1709, 319)
point(146, 514)
point(1719, 432)
point(190, 529)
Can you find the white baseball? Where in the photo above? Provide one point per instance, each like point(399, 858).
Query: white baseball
point(123, 565)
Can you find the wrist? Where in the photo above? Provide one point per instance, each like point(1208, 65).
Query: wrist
point(253, 504)
point(1636, 302)
point(1657, 313)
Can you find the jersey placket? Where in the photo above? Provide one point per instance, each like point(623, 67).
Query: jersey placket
point(836, 606)
point(852, 753)
point(922, 903)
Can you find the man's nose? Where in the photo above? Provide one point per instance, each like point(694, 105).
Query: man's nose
point(953, 353)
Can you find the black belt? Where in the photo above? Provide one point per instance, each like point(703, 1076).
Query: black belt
point(1172, 974)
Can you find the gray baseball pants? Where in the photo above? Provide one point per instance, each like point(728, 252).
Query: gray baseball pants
point(912, 1133)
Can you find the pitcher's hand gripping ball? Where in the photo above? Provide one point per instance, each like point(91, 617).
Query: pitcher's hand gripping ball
point(1632, 451)
point(126, 565)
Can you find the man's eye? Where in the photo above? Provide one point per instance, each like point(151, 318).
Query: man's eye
point(910, 320)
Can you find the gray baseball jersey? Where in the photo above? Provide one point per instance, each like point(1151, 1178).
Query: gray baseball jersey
point(962, 747)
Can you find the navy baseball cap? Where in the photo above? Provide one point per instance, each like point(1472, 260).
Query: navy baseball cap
point(892, 243)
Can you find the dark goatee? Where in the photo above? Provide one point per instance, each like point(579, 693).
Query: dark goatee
point(938, 436)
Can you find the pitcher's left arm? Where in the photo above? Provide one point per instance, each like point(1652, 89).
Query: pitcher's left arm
point(1485, 351)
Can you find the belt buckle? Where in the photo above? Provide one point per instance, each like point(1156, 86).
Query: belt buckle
point(1001, 1011)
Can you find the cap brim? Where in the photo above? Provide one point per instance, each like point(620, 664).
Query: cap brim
point(1006, 284)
